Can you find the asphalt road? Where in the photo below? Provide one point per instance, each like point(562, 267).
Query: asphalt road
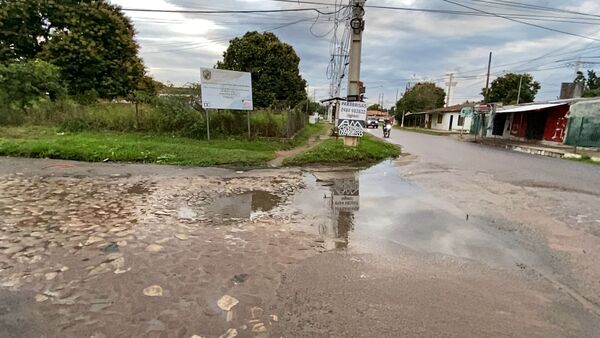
point(505, 165)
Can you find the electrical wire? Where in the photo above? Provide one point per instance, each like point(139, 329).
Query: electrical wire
point(523, 22)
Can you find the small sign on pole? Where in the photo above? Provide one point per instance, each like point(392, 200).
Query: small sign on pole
point(352, 118)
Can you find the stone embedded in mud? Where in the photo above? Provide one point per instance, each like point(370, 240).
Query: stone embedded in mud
point(256, 312)
point(92, 240)
point(154, 248)
point(242, 277)
point(50, 275)
point(182, 237)
point(274, 318)
point(196, 336)
point(226, 303)
point(40, 298)
point(229, 334)
point(112, 247)
point(259, 327)
point(113, 256)
point(153, 291)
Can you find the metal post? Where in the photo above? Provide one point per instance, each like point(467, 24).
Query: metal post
point(357, 27)
point(207, 124)
point(248, 115)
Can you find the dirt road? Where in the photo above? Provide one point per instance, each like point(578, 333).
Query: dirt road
point(106, 250)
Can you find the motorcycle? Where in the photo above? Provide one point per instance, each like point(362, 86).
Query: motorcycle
point(386, 130)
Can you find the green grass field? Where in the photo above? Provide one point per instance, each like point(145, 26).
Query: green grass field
point(44, 142)
point(369, 150)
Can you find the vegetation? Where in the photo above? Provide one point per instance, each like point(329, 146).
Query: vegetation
point(91, 42)
point(332, 151)
point(505, 89)
point(48, 142)
point(25, 83)
point(423, 96)
point(276, 80)
point(591, 85)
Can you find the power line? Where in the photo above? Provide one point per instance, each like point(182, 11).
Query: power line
point(188, 11)
point(522, 22)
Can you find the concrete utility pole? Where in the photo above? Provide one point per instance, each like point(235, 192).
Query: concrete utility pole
point(519, 94)
point(450, 84)
point(357, 25)
point(487, 81)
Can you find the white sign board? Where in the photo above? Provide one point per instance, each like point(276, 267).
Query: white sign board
point(353, 110)
point(346, 203)
point(351, 128)
point(226, 89)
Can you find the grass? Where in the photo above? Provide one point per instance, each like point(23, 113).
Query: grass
point(46, 142)
point(370, 150)
point(585, 159)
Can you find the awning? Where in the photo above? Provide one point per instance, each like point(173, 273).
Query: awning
point(529, 107)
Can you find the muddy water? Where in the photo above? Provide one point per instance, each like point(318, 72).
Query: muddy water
point(377, 210)
point(243, 205)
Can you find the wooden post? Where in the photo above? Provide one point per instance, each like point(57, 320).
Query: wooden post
point(249, 133)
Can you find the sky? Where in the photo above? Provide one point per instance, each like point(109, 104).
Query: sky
point(399, 46)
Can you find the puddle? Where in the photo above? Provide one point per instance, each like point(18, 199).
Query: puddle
point(378, 209)
point(243, 205)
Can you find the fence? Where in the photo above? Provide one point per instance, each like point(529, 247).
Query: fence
point(583, 132)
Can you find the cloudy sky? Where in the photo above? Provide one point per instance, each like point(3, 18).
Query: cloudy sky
point(400, 46)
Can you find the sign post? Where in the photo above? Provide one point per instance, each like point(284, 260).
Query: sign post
point(351, 120)
point(225, 89)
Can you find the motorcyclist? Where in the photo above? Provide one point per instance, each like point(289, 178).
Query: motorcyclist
point(387, 127)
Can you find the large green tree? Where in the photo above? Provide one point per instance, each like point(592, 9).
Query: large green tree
point(505, 89)
point(91, 41)
point(422, 96)
point(274, 66)
point(591, 84)
point(22, 83)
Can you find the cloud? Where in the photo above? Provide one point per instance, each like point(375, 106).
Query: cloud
point(399, 46)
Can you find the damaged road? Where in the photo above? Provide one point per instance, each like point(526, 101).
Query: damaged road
point(109, 250)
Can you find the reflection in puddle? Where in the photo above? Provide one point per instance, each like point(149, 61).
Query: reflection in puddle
point(379, 209)
point(243, 205)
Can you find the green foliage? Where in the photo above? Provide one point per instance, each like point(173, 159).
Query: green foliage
point(505, 89)
point(374, 107)
point(24, 83)
point(423, 96)
point(276, 80)
point(133, 147)
point(591, 85)
point(369, 150)
point(91, 41)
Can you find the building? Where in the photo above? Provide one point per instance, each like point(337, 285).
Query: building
point(453, 118)
point(584, 124)
point(546, 122)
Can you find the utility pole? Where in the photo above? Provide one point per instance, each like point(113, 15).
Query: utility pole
point(450, 84)
point(487, 88)
point(382, 102)
point(487, 81)
point(357, 25)
point(519, 94)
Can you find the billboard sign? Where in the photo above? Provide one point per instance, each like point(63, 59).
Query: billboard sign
point(351, 128)
point(353, 110)
point(226, 89)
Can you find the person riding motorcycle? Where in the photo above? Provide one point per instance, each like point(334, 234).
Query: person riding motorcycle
point(387, 128)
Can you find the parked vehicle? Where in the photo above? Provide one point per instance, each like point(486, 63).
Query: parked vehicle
point(372, 122)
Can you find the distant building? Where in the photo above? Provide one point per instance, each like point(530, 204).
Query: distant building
point(571, 90)
point(453, 118)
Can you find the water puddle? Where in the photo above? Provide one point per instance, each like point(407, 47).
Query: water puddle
point(379, 209)
point(243, 205)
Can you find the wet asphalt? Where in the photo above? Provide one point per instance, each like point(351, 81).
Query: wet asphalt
point(505, 165)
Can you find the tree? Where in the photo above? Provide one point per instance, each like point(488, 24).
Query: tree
point(274, 66)
point(505, 89)
point(591, 85)
point(423, 96)
point(91, 41)
point(374, 106)
point(21, 83)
